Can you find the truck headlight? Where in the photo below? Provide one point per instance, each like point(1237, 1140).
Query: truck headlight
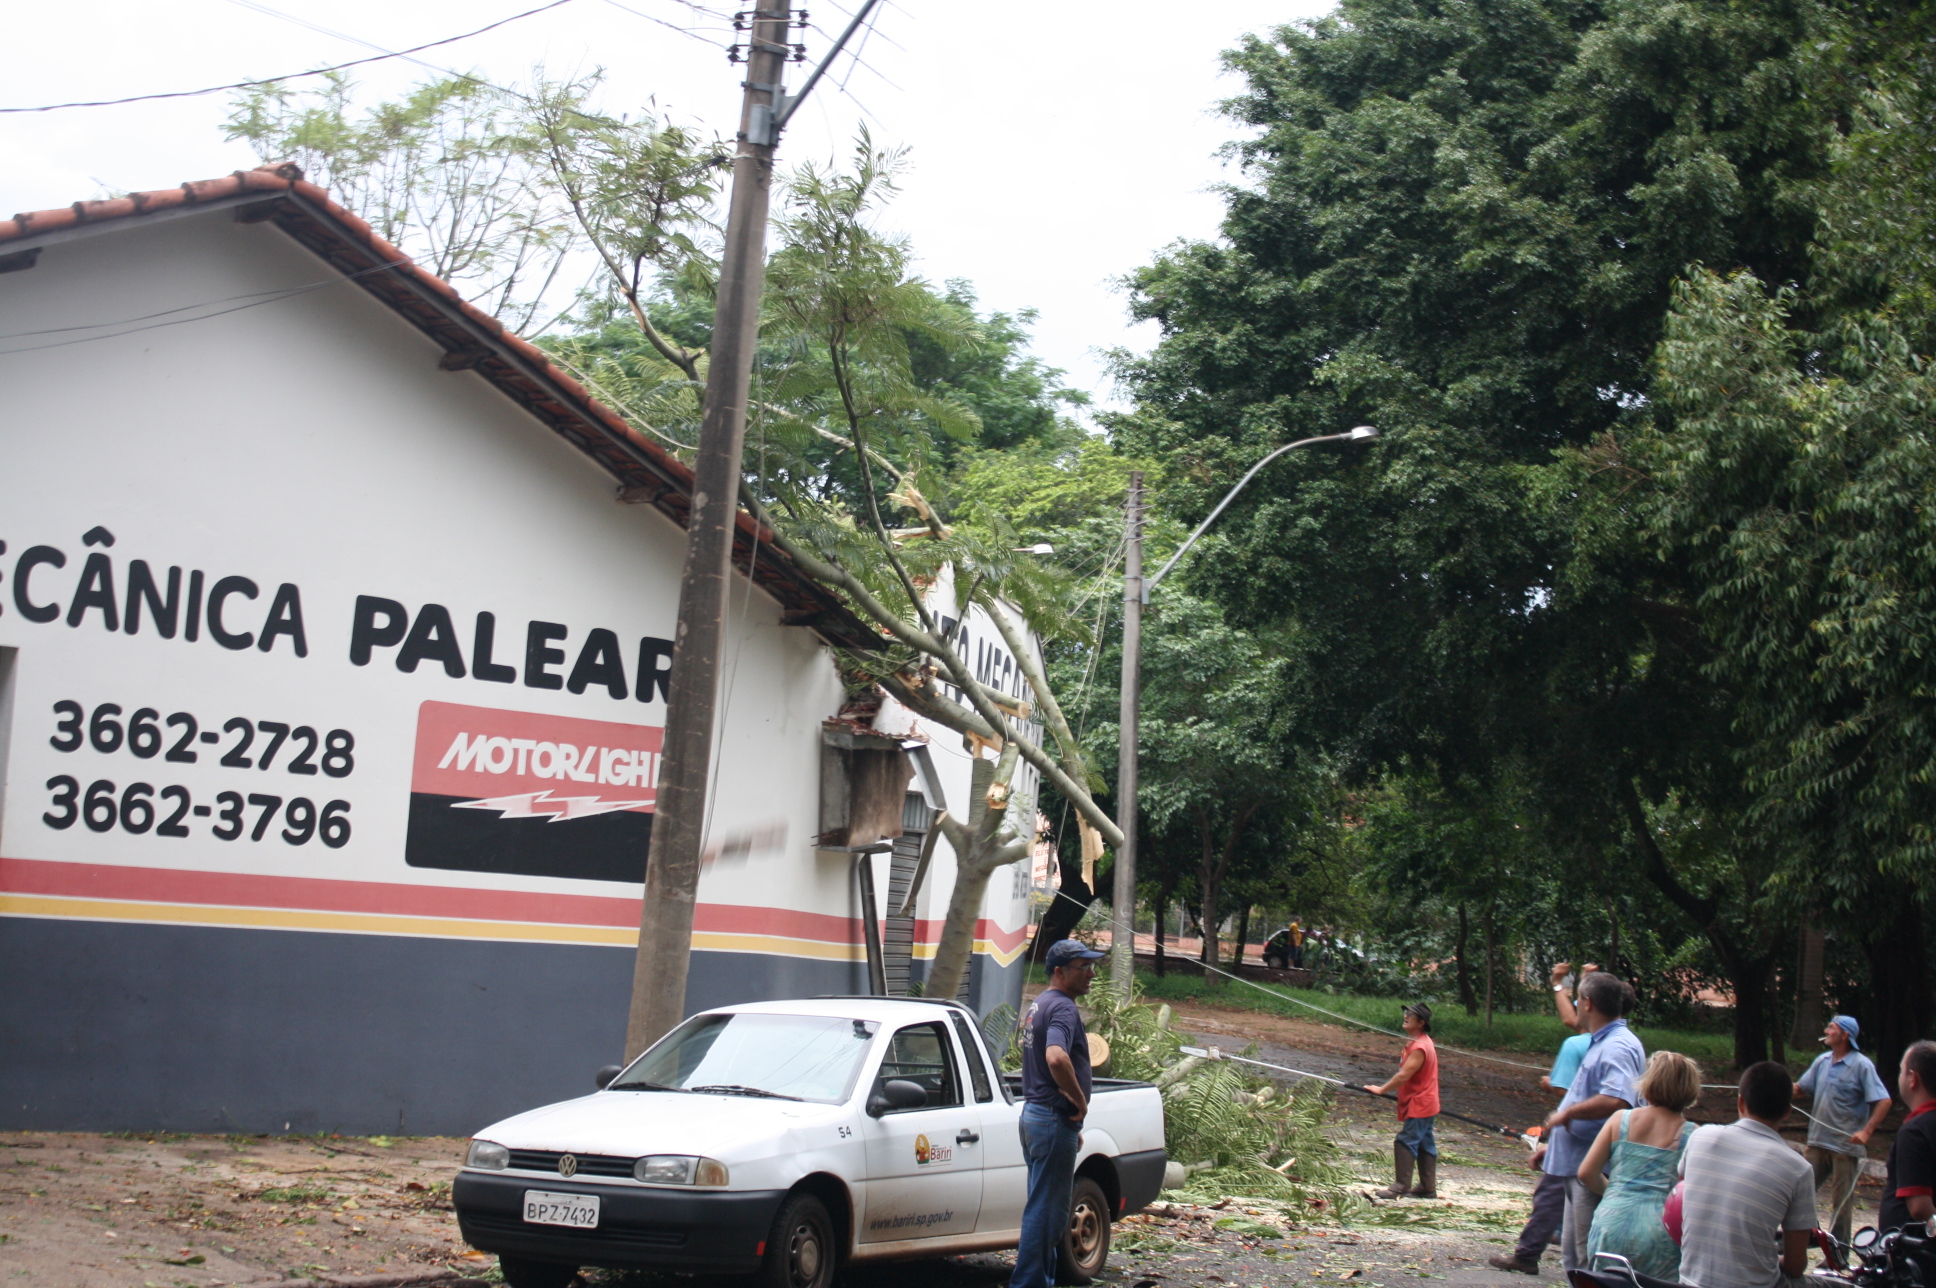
point(679, 1169)
point(489, 1155)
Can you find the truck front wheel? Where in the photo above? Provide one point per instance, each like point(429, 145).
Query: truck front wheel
point(800, 1252)
point(1085, 1248)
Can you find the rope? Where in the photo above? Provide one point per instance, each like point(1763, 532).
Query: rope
point(1298, 1001)
point(1212, 1053)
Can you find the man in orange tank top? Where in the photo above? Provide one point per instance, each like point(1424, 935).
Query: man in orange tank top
point(1417, 1085)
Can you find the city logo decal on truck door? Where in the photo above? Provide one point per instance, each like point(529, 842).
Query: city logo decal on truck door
point(536, 795)
point(925, 1151)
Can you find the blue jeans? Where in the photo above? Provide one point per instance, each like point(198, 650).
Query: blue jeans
point(1049, 1143)
point(1416, 1136)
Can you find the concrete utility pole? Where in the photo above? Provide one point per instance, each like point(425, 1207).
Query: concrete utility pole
point(679, 819)
point(1122, 940)
point(1136, 593)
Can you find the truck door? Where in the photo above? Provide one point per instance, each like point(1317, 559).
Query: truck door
point(923, 1165)
point(1004, 1170)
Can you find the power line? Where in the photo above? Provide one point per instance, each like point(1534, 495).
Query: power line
point(255, 7)
point(319, 71)
point(684, 31)
point(1116, 925)
point(254, 301)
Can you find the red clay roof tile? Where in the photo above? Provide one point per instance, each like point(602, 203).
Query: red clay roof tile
point(339, 227)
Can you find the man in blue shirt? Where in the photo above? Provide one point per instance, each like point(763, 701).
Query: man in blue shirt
point(1055, 1086)
point(1604, 1085)
point(1850, 1103)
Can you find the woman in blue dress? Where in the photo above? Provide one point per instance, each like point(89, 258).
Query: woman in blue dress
point(1634, 1162)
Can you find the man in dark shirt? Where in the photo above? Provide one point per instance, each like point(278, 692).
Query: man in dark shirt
point(1055, 1085)
point(1910, 1192)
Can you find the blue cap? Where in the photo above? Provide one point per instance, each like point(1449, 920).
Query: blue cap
point(1064, 951)
point(1846, 1021)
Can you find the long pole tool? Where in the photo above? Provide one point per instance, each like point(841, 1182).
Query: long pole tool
point(1212, 1053)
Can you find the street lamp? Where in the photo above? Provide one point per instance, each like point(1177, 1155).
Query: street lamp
point(1357, 435)
point(1136, 593)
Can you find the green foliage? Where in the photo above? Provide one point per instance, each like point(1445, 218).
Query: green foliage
point(1017, 398)
point(453, 174)
point(1797, 477)
point(295, 1194)
point(1464, 226)
point(1236, 1134)
point(1534, 1034)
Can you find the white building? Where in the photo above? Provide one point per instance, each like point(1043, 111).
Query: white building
point(333, 630)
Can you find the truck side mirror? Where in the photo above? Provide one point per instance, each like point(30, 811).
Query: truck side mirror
point(896, 1093)
point(606, 1075)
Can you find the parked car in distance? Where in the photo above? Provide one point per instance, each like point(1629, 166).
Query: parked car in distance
point(785, 1139)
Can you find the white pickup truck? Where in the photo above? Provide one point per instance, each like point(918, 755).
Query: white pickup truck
point(784, 1139)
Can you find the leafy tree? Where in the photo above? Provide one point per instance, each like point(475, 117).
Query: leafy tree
point(1795, 480)
point(845, 422)
point(1463, 225)
point(452, 174)
point(1215, 753)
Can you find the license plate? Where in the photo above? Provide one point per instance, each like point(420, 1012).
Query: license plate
point(580, 1211)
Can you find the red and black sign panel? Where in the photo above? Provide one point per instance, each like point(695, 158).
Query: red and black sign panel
point(536, 795)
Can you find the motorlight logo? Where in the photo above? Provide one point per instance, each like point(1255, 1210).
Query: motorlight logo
point(538, 795)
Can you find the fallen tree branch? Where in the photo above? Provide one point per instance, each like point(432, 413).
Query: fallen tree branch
point(926, 642)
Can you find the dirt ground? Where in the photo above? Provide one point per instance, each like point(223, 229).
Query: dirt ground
point(93, 1211)
point(1484, 1186)
point(132, 1211)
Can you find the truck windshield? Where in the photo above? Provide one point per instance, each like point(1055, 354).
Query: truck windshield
point(808, 1057)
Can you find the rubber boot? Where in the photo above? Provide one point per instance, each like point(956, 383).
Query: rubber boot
point(1428, 1177)
point(1402, 1160)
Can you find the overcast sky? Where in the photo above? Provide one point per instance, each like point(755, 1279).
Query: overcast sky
point(1054, 147)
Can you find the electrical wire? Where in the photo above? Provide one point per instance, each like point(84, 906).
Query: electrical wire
point(684, 31)
point(255, 301)
point(1115, 925)
point(255, 6)
point(272, 80)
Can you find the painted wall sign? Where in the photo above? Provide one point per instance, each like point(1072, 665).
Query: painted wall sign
point(312, 785)
point(509, 791)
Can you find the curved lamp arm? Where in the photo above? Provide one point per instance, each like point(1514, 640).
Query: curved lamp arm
point(1359, 434)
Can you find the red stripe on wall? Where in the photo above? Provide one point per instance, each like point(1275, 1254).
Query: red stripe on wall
point(316, 894)
point(322, 894)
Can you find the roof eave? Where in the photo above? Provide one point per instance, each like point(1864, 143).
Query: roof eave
point(471, 340)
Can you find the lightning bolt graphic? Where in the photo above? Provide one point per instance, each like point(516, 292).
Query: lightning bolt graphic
point(544, 805)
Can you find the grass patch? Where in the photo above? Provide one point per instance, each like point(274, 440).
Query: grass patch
point(295, 1194)
point(1534, 1035)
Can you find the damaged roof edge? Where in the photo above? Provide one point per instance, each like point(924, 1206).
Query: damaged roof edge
point(472, 340)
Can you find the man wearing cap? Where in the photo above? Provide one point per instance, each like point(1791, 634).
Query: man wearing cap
point(1055, 1089)
point(1417, 1082)
point(1850, 1102)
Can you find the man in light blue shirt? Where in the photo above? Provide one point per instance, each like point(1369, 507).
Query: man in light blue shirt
point(1549, 1196)
point(1850, 1102)
point(1604, 1085)
point(1567, 1062)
